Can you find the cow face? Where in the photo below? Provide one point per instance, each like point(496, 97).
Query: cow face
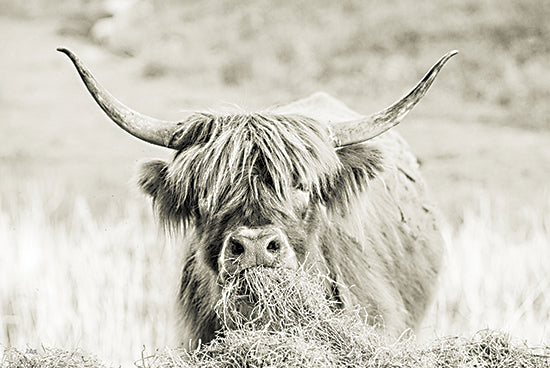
point(252, 185)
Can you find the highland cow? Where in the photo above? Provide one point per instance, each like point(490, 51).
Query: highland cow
point(310, 184)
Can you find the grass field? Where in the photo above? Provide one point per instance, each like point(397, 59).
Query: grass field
point(81, 261)
point(107, 284)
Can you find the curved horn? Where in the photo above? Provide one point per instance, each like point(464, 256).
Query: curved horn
point(363, 129)
point(144, 127)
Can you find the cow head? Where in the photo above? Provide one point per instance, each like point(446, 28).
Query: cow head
point(256, 186)
point(250, 185)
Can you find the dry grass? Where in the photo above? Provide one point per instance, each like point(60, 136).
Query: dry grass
point(496, 273)
point(106, 283)
point(280, 318)
point(49, 358)
point(486, 349)
point(71, 279)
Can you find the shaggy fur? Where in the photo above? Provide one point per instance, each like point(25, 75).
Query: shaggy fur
point(365, 224)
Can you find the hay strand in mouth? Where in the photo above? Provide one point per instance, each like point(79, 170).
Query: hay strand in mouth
point(272, 298)
point(276, 304)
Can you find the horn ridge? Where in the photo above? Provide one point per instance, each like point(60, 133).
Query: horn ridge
point(360, 130)
point(146, 128)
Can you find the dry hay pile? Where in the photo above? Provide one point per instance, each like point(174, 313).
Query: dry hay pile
point(281, 318)
point(48, 358)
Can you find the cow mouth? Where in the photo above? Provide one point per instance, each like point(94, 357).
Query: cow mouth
point(272, 297)
point(226, 278)
point(246, 285)
point(259, 268)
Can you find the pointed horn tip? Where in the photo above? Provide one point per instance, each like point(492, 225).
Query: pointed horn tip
point(442, 61)
point(67, 52)
point(450, 54)
point(63, 50)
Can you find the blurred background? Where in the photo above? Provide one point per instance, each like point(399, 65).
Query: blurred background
point(82, 263)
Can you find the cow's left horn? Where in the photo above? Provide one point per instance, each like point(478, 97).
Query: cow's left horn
point(144, 127)
point(363, 129)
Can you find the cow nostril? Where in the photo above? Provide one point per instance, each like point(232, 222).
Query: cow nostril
point(236, 247)
point(273, 246)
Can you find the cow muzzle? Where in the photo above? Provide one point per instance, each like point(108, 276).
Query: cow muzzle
point(249, 247)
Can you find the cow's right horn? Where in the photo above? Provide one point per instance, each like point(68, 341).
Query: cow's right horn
point(144, 127)
point(365, 128)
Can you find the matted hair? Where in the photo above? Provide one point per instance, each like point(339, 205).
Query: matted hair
point(223, 161)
